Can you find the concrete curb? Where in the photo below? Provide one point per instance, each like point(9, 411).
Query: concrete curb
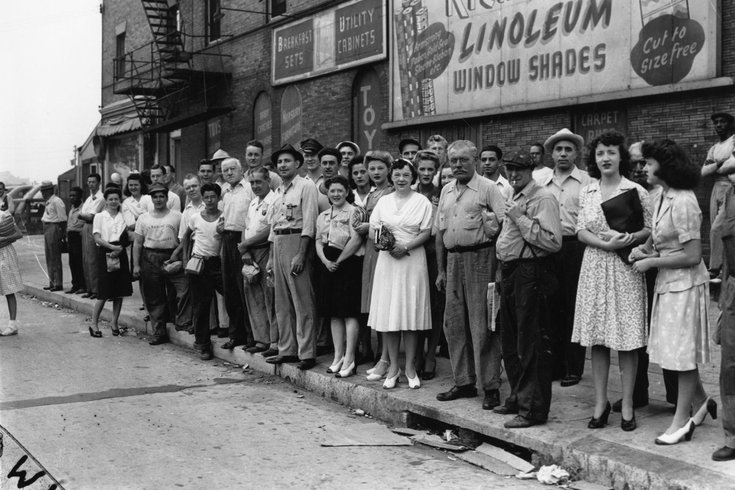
point(592, 458)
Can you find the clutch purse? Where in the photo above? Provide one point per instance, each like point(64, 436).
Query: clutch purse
point(194, 265)
point(624, 213)
point(384, 238)
point(113, 263)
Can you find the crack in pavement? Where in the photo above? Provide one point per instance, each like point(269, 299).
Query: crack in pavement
point(107, 394)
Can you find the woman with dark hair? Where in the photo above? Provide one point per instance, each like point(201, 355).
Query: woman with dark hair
point(110, 235)
point(378, 166)
point(135, 188)
point(399, 303)
point(338, 281)
point(679, 336)
point(611, 295)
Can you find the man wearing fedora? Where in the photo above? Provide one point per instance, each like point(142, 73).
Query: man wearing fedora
point(565, 183)
point(236, 199)
point(293, 227)
point(720, 164)
point(531, 234)
point(54, 228)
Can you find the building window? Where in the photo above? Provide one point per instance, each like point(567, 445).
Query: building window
point(214, 19)
point(278, 7)
point(120, 55)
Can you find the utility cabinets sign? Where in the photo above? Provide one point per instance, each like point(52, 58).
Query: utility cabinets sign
point(334, 39)
point(454, 56)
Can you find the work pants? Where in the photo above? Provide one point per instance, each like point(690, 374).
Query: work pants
point(260, 301)
point(89, 253)
point(528, 287)
point(716, 201)
point(53, 234)
point(474, 350)
point(727, 344)
point(74, 246)
point(234, 291)
point(568, 356)
point(295, 300)
point(202, 288)
point(159, 288)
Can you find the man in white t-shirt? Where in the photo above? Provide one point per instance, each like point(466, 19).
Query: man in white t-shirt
point(259, 296)
point(194, 205)
point(156, 238)
point(201, 228)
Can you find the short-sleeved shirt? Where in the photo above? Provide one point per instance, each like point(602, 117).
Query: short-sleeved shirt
point(470, 216)
point(54, 211)
point(295, 208)
point(207, 242)
point(94, 203)
point(159, 232)
point(235, 202)
point(73, 223)
point(259, 213)
point(110, 228)
point(536, 233)
point(132, 209)
point(567, 192)
point(173, 202)
point(189, 211)
point(541, 174)
point(334, 226)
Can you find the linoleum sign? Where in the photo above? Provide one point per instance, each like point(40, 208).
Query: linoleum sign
point(454, 56)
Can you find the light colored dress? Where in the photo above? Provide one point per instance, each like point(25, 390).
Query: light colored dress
point(371, 255)
point(11, 281)
point(611, 306)
point(400, 295)
point(679, 317)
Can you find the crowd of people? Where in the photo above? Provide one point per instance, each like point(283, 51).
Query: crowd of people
point(505, 261)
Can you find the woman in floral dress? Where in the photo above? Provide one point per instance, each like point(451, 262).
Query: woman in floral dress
point(611, 296)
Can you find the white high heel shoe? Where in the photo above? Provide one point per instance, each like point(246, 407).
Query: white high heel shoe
point(414, 383)
point(379, 371)
point(685, 433)
point(391, 383)
point(336, 366)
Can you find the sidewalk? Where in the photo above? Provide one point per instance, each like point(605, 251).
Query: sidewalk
point(609, 456)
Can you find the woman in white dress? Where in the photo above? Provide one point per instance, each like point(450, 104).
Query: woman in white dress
point(399, 301)
point(611, 296)
point(679, 338)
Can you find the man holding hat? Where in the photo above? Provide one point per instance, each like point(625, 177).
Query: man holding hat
point(54, 228)
point(310, 149)
point(347, 150)
point(293, 227)
point(236, 197)
point(531, 233)
point(565, 183)
point(156, 238)
point(720, 163)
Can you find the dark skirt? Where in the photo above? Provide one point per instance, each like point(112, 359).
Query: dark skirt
point(338, 293)
point(116, 284)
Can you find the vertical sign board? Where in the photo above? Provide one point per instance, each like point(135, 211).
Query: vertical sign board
point(592, 123)
point(263, 122)
point(214, 132)
point(464, 56)
point(337, 38)
point(291, 128)
point(367, 116)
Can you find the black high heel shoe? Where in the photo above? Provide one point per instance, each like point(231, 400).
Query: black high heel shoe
point(628, 425)
point(708, 407)
point(96, 334)
point(601, 421)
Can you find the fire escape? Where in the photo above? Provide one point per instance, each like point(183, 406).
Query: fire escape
point(167, 80)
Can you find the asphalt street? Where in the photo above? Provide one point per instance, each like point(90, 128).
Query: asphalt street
point(118, 413)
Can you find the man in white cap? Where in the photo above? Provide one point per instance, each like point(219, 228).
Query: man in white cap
point(565, 183)
point(348, 150)
point(54, 229)
point(216, 159)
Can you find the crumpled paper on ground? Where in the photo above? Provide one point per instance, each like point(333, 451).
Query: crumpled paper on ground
point(552, 474)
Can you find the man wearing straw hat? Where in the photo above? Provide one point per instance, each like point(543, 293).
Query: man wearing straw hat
point(54, 228)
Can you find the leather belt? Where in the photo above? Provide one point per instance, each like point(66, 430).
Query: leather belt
point(470, 248)
point(288, 231)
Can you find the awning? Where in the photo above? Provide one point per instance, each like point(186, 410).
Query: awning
point(118, 125)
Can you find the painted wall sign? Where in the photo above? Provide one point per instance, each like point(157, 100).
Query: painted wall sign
point(592, 123)
point(454, 56)
point(263, 122)
point(367, 116)
point(334, 39)
point(291, 127)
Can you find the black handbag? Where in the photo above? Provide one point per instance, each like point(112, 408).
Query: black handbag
point(624, 213)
